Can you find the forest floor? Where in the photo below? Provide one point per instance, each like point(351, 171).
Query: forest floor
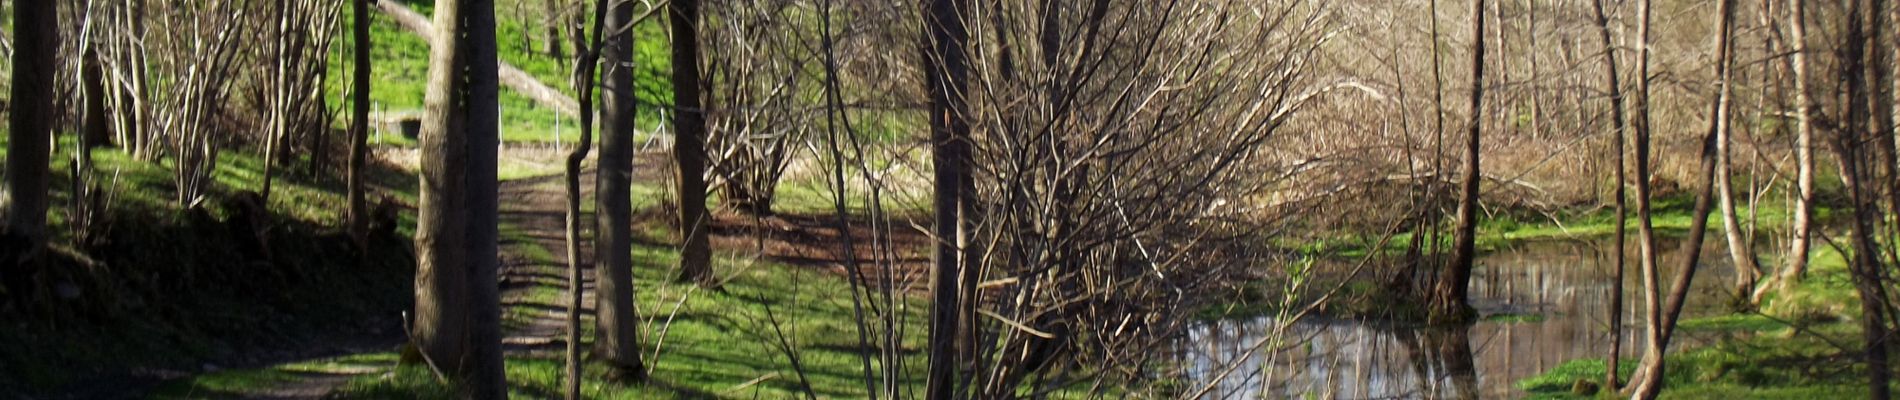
point(777, 253)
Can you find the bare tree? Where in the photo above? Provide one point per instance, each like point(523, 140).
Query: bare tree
point(1859, 173)
point(1802, 228)
point(586, 60)
point(1741, 252)
point(1649, 377)
point(1615, 87)
point(1450, 302)
point(30, 123)
point(759, 71)
point(946, 66)
point(302, 33)
point(689, 145)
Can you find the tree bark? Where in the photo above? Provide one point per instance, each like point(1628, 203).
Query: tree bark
point(484, 236)
point(359, 126)
point(30, 129)
point(1452, 306)
point(617, 333)
point(689, 145)
point(1617, 113)
point(457, 323)
point(1649, 378)
point(946, 74)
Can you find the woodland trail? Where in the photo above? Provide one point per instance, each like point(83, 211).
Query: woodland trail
point(533, 216)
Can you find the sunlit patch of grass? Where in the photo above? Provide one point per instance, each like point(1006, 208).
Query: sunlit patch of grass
point(713, 343)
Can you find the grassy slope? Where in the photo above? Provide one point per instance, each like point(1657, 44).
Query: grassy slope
point(168, 287)
point(1787, 351)
point(400, 66)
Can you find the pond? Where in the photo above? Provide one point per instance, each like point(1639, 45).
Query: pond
point(1548, 303)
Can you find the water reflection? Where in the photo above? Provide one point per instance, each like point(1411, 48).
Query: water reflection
point(1565, 284)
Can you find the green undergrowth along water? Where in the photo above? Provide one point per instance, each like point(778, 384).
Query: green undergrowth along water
point(1802, 345)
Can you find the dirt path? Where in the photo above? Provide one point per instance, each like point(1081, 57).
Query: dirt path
point(533, 261)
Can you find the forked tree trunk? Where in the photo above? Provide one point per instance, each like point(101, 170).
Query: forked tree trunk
point(617, 332)
point(30, 129)
point(1451, 304)
point(1615, 87)
point(1649, 376)
point(1645, 230)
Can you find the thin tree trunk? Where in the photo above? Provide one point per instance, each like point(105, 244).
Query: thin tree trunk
point(1741, 253)
point(1649, 378)
point(30, 129)
point(1804, 156)
point(586, 53)
point(1622, 211)
point(689, 145)
point(946, 74)
point(359, 126)
point(1452, 304)
point(1645, 230)
point(1858, 174)
point(616, 319)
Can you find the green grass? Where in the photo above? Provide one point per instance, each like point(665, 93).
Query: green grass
point(399, 69)
point(716, 342)
point(1670, 216)
point(1789, 350)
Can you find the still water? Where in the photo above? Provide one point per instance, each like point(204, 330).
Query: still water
point(1565, 282)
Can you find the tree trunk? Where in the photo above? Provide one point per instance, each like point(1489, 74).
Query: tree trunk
point(1649, 377)
point(1645, 230)
point(585, 64)
point(1741, 253)
point(484, 236)
point(1451, 302)
point(617, 333)
point(1622, 212)
point(689, 145)
point(359, 126)
point(1858, 174)
point(30, 129)
point(1804, 156)
point(946, 74)
point(553, 39)
point(457, 323)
